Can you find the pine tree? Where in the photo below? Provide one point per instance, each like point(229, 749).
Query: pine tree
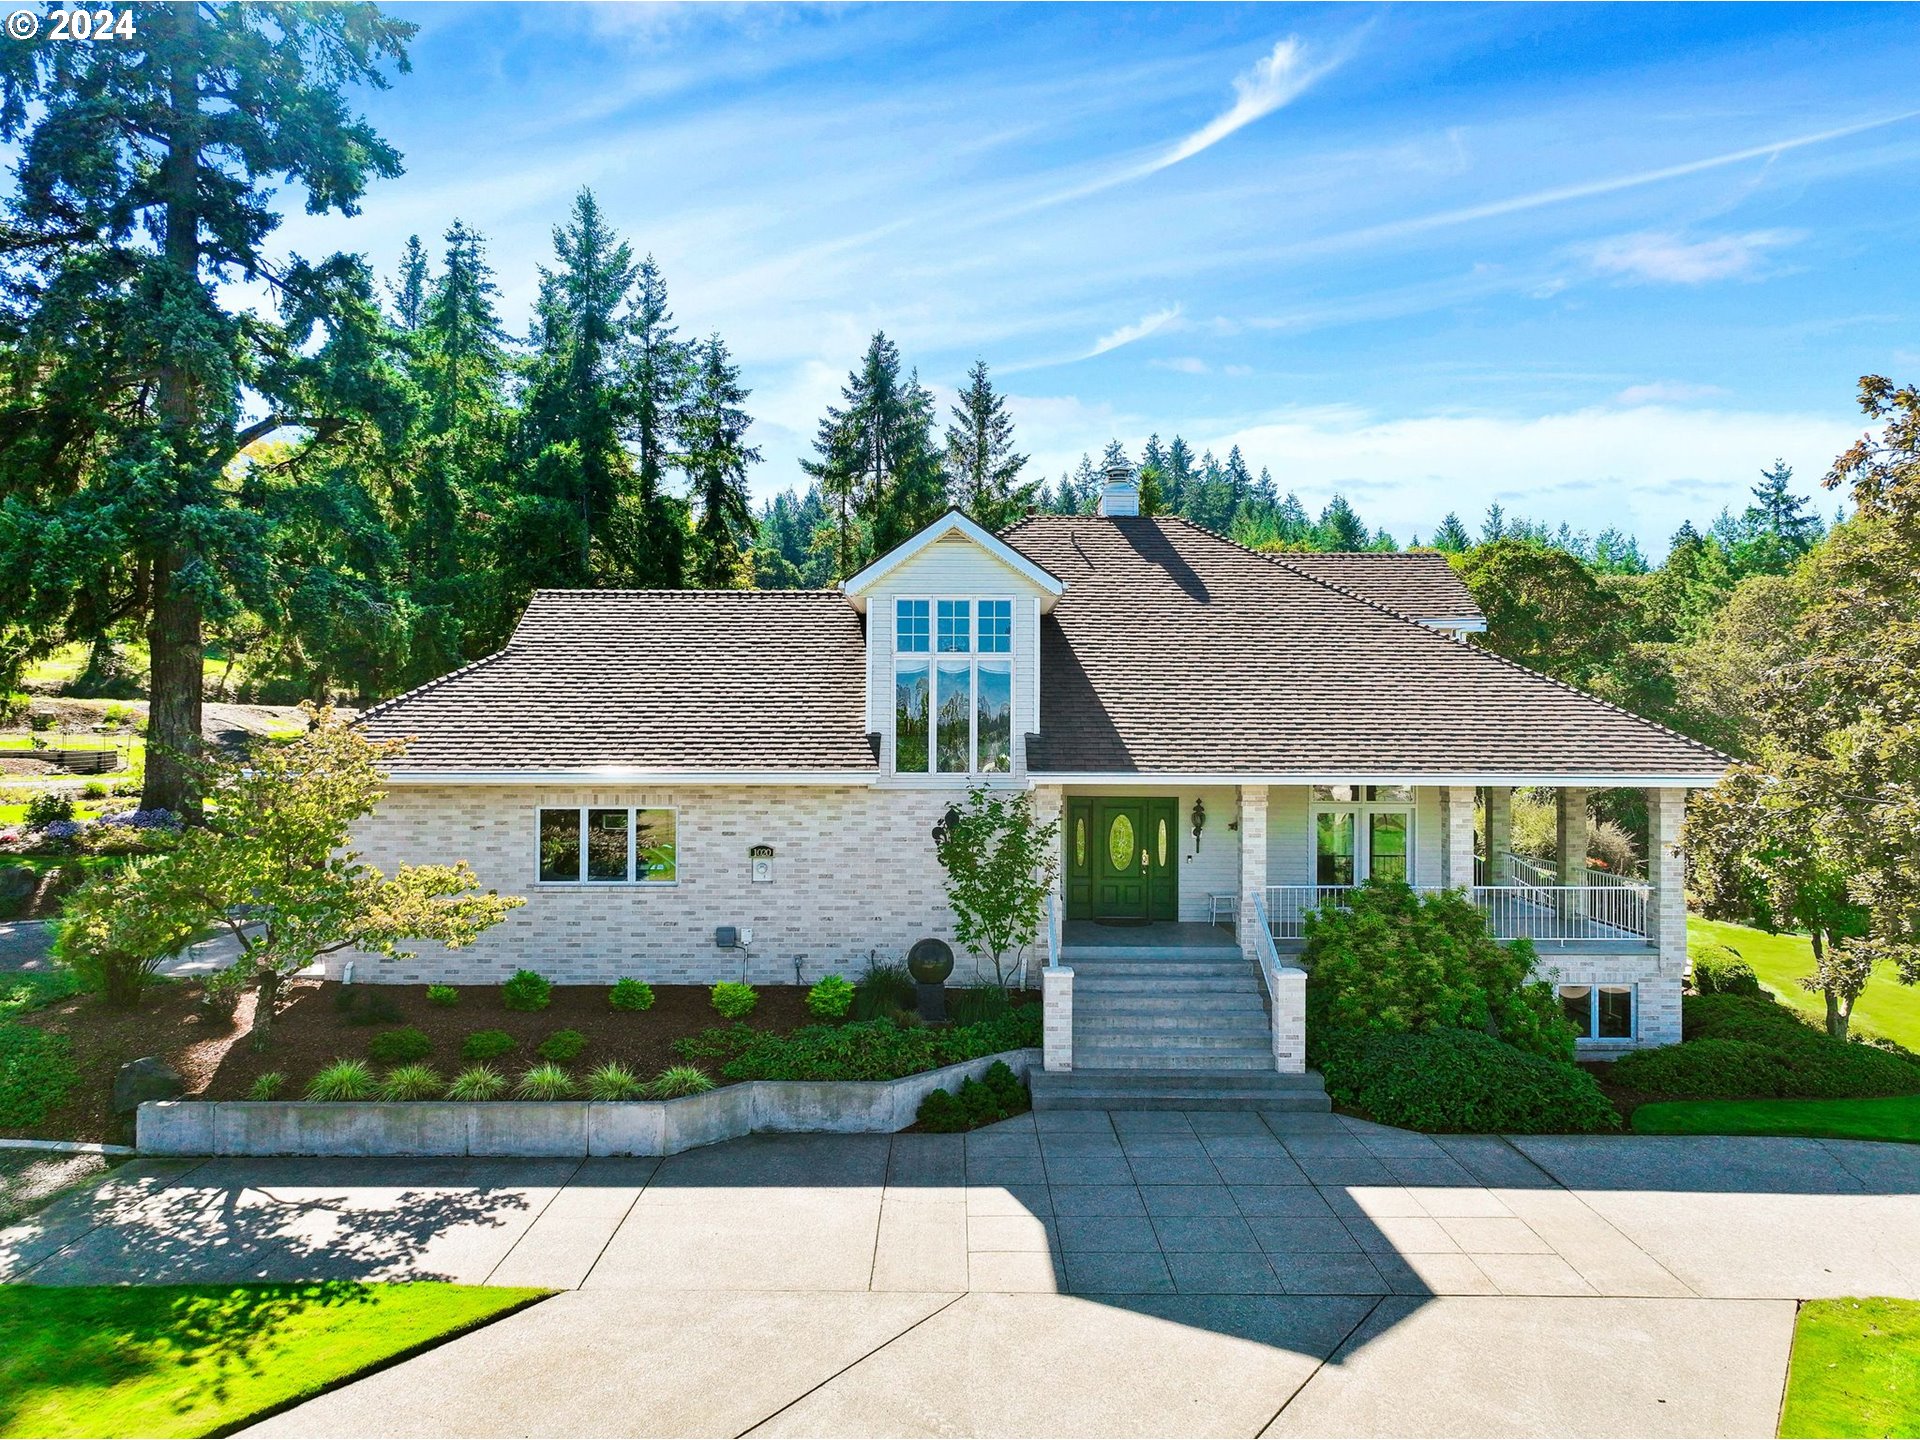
point(1177, 488)
point(1780, 526)
point(577, 405)
point(1340, 528)
point(875, 461)
point(983, 472)
point(409, 291)
point(647, 540)
point(1494, 527)
point(1452, 536)
point(146, 170)
point(715, 455)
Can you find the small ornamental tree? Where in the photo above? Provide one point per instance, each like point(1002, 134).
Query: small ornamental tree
point(273, 866)
point(1000, 863)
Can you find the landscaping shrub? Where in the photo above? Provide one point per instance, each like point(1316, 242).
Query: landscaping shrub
point(343, 1080)
point(35, 989)
point(1738, 1048)
point(486, 1045)
point(1458, 1080)
point(613, 1081)
point(631, 995)
point(14, 707)
point(1719, 970)
point(886, 986)
point(36, 1073)
point(220, 992)
point(444, 996)
point(477, 1082)
point(546, 1082)
point(735, 999)
point(267, 1086)
point(995, 1096)
point(1394, 959)
point(858, 1050)
point(94, 790)
point(413, 1082)
point(392, 1047)
point(678, 1080)
point(526, 991)
point(970, 1004)
point(49, 807)
point(830, 998)
point(562, 1045)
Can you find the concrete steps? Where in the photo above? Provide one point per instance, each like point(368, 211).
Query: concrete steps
point(1178, 1090)
point(1195, 1009)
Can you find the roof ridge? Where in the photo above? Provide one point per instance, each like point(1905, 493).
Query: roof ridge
point(437, 681)
point(1444, 639)
point(684, 590)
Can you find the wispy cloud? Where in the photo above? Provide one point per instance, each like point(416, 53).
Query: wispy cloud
point(1669, 259)
point(1112, 340)
point(1667, 392)
point(1185, 365)
point(1279, 78)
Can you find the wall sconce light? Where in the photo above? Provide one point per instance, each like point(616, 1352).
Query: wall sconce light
point(1199, 818)
point(943, 827)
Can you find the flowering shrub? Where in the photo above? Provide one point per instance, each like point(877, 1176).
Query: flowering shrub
point(158, 818)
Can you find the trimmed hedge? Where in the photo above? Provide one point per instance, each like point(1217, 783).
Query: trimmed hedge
point(1739, 1048)
point(859, 1050)
point(998, 1095)
point(1719, 970)
point(1459, 1080)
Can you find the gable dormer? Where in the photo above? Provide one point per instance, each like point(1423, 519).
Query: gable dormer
point(953, 653)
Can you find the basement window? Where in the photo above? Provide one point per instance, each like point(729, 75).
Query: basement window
point(1600, 1012)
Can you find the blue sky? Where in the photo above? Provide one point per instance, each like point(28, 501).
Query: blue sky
point(1596, 263)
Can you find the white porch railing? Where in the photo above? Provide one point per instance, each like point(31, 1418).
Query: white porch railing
point(1053, 938)
point(1616, 911)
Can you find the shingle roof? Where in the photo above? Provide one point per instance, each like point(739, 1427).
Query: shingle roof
point(1176, 651)
point(1420, 583)
point(652, 680)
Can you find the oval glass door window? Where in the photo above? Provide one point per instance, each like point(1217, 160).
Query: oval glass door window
point(1080, 842)
point(1120, 852)
point(1163, 843)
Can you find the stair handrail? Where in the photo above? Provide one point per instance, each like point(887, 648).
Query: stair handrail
point(1053, 945)
point(1268, 952)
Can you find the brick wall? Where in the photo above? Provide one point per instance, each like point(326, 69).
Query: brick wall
point(854, 870)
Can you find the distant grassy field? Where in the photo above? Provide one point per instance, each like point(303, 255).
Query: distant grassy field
point(1886, 1007)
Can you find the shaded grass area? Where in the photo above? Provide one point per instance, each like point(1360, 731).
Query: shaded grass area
point(1886, 1007)
point(1890, 1118)
point(166, 1360)
point(1855, 1369)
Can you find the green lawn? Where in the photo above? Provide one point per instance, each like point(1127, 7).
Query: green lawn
point(1894, 1117)
point(1886, 1007)
point(1855, 1369)
point(166, 1360)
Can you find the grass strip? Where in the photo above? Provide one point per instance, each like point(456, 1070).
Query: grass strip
point(1855, 1369)
point(1888, 1118)
point(192, 1360)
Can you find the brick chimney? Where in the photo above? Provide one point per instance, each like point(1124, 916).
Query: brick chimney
point(1120, 495)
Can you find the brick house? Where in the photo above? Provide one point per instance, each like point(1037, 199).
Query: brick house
point(1228, 739)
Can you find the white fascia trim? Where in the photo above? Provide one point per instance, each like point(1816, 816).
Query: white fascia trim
point(1592, 781)
point(616, 775)
point(1474, 624)
point(854, 586)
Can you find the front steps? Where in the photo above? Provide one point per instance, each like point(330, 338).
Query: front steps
point(1177, 1090)
point(1165, 1022)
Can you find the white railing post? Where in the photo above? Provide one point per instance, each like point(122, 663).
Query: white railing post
point(1286, 994)
point(1056, 1004)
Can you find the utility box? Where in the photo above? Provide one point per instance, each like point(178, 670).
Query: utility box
point(727, 937)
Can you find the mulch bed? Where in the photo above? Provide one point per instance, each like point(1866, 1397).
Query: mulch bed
point(1622, 1099)
point(311, 1031)
point(220, 1063)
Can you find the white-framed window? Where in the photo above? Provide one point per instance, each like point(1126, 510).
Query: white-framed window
point(607, 845)
point(1601, 1012)
point(952, 699)
point(1362, 832)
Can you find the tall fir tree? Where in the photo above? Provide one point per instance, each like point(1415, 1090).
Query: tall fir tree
point(1339, 528)
point(145, 169)
point(409, 288)
point(1452, 536)
point(715, 455)
point(983, 469)
point(647, 533)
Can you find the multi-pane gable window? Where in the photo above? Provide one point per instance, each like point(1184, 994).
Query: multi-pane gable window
point(592, 845)
point(911, 628)
point(953, 715)
point(996, 627)
point(956, 631)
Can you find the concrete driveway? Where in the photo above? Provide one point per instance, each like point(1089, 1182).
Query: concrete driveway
point(1083, 1275)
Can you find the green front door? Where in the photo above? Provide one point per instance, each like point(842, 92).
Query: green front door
point(1122, 859)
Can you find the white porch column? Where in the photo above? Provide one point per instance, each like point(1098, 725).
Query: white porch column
point(1456, 809)
point(1050, 804)
point(1499, 834)
point(1666, 915)
point(1253, 863)
point(1570, 847)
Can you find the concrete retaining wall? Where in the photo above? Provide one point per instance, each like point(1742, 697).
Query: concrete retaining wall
point(549, 1127)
